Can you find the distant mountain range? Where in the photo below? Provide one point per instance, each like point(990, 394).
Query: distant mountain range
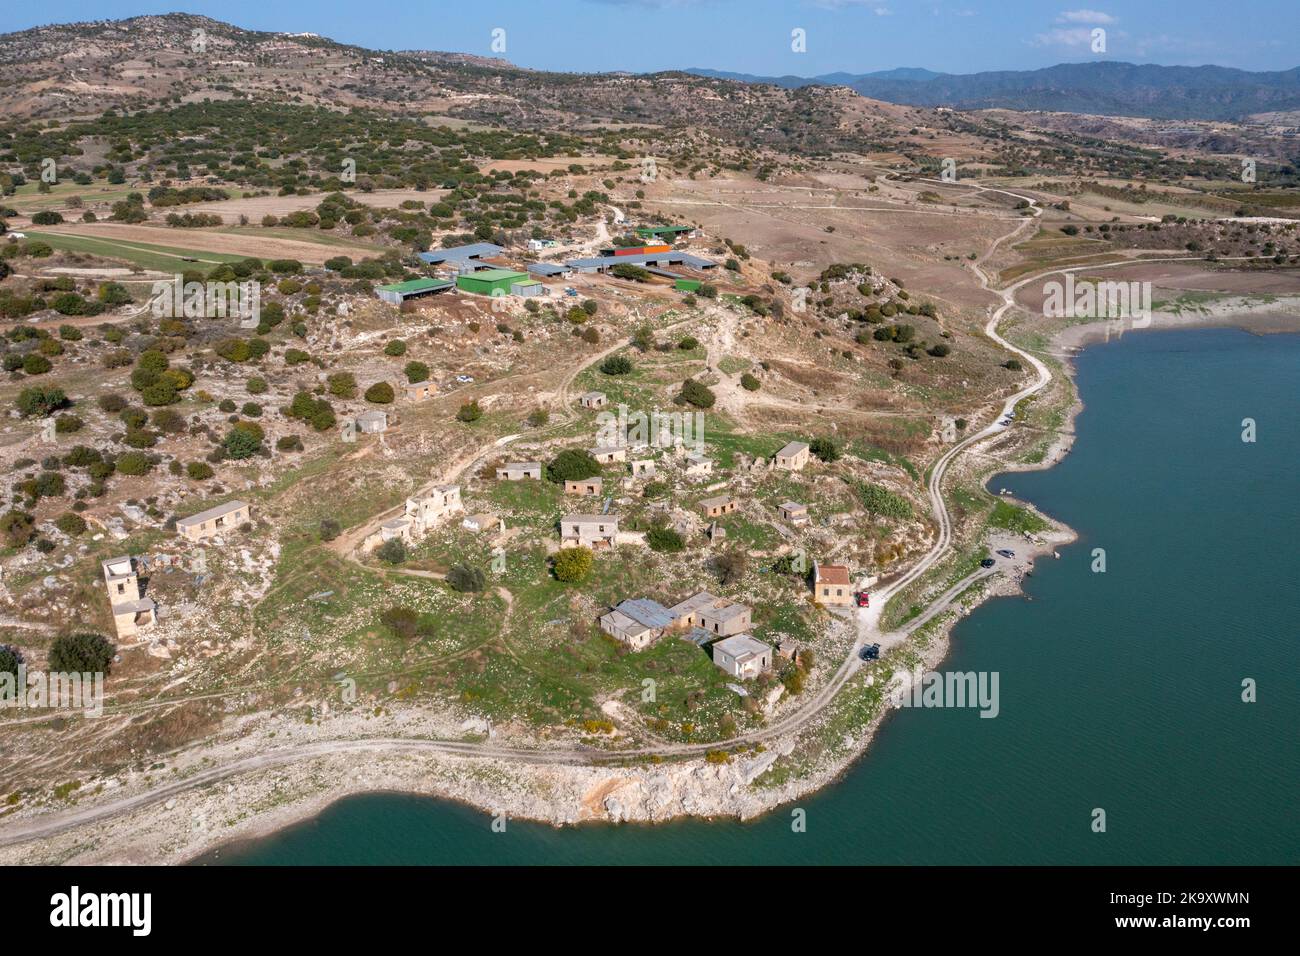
point(1105, 87)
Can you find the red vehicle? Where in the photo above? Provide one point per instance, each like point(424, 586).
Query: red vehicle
point(864, 599)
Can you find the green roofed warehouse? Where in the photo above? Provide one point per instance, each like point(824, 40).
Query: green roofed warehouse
point(399, 292)
point(498, 282)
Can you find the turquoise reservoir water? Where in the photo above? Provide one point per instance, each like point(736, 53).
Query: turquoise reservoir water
point(1119, 690)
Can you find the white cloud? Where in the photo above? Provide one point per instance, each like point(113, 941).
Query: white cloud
point(876, 7)
point(1076, 36)
point(1095, 17)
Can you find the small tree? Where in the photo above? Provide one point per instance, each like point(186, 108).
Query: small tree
point(731, 566)
point(572, 564)
point(825, 449)
point(381, 393)
point(466, 579)
point(244, 440)
point(81, 654)
point(697, 394)
point(392, 551)
point(39, 400)
point(573, 464)
point(616, 365)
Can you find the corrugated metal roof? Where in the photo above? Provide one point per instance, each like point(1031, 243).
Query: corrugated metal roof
point(646, 611)
point(606, 262)
point(546, 269)
point(476, 250)
point(416, 285)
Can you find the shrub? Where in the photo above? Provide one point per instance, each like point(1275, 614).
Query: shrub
point(697, 394)
point(884, 503)
point(395, 348)
point(315, 411)
point(244, 440)
point(466, 579)
point(749, 383)
point(234, 350)
point(81, 456)
point(329, 529)
point(35, 364)
point(381, 393)
point(199, 470)
point(140, 438)
point(71, 524)
point(664, 539)
point(114, 293)
point(392, 551)
point(402, 621)
point(40, 401)
point(825, 449)
point(10, 659)
point(256, 386)
point(342, 385)
point(416, 372)
point(17, 528)
point(117, 358)
point(469, 412)
point(572, 564)
point(616, 365)
point(134, 463)
point(81, 654)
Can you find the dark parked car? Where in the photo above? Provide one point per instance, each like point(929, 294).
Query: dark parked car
point(871, 652)
point(987, 563)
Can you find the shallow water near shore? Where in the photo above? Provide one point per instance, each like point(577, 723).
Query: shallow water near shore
point(1119, 691)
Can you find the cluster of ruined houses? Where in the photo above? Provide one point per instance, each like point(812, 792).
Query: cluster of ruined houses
point(704, 618)
point(132, 610)
point(700, 619)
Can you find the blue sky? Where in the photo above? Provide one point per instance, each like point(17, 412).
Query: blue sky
point(754, 36)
